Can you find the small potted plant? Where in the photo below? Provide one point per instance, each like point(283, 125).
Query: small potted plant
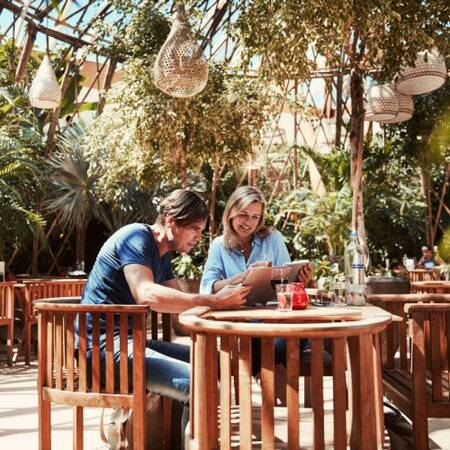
point(386, 281)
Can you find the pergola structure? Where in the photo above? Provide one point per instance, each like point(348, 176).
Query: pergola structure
point(70, 23)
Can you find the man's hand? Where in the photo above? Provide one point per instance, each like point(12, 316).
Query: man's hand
point(230, 297)
point(305, 276)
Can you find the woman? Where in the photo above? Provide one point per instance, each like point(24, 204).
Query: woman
point(246, 242)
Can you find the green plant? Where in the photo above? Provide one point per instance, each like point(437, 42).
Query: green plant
point(71, 191)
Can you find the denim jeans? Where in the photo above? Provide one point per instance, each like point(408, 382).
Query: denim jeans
point(167, 370)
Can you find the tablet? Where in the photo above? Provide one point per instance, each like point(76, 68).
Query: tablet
point(296, 266)
point(260, 280)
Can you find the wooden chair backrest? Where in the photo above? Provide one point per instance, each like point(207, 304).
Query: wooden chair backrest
point(213, 337)
point(39, 289)
point(423, 275)
point(395, 348)
point(430, 333)
point(431, 287)
point(6, 302)
point(64, 368)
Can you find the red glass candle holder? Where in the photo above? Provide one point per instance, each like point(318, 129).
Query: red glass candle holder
point(299, 297)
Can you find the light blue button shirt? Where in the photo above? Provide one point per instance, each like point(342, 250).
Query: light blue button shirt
point(223, 263)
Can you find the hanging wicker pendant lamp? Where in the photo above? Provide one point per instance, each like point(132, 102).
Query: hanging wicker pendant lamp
point(382, 103)
point(405, 110)
point(428, 74)
point(180, 69)
point(45, 92)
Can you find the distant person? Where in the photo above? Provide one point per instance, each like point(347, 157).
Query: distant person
point(427, 260)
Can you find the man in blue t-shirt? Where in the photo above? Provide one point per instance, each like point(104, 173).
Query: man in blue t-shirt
point(134, 266)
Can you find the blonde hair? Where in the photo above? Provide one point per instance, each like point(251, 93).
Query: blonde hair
point(240, 199)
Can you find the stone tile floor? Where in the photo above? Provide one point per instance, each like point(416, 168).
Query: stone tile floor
point(19, 427)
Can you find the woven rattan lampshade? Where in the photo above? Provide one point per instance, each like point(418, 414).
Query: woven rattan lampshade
point(382, 103)
point(180, 69)
point(45, 92)
point(405, 109)
point(428, 74)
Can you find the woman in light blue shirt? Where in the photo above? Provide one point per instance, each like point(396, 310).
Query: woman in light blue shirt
point(246, 242)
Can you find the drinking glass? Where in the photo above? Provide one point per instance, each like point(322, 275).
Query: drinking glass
point(284, 296)
point(339, 291)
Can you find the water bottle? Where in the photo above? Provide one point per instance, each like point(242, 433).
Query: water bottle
point(405, 260)
point(355, 271)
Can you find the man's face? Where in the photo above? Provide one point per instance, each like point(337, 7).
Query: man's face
point(186, 237)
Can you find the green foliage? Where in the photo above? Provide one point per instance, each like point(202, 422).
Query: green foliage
point(71, 193)
point(313, 224)
point(21, 147)
point(369, 33)
point(147, 136)
point(139, 33)
point(394, 204)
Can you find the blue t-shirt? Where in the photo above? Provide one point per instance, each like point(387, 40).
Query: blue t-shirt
point(132, 244)
point(223, 263)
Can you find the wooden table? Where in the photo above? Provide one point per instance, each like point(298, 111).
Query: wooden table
point(353, 334)
point(310, 314)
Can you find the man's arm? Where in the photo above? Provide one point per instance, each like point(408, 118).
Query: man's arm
point(167, 299)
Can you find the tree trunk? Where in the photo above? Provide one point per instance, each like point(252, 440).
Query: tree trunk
point(183, 167)
point(34, 257)
point(51, 133)
point(80, 243)
point(357, 154)
point(217, 173)
point(425, 185)
point(26, 52)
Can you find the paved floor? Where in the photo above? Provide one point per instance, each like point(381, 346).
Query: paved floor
point(18, 416)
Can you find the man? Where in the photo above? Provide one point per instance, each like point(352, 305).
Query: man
point(134, 266)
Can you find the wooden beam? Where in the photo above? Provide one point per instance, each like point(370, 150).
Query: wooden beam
point(26, 52)
point(52, 32)
point(56, 113)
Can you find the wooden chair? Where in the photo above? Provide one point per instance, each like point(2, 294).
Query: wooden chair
point(431, 287)
point(215, 423)
point(395, 340)
point(424, 275)
point(38, 289)
point(424, 391)
point(7, 316)
point(63, 375)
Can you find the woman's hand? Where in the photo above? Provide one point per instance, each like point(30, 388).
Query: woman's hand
point(305, 276)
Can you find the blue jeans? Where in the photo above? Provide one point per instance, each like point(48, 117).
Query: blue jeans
point(167, 370)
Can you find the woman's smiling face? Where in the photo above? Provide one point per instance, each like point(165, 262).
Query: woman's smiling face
point(246, 220)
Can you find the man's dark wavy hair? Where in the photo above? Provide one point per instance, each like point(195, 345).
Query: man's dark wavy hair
point(185, 207)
